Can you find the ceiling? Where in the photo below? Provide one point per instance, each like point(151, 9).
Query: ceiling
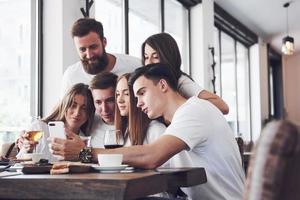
point(267, 18)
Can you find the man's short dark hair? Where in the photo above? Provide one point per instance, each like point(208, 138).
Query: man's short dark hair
point(155, 72)
point(104, 80)
point(84, 26)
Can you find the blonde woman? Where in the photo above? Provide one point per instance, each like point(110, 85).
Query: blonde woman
point(76, 110)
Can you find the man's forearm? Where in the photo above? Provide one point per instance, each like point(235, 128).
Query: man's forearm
point(136, 156)
point(148, 156)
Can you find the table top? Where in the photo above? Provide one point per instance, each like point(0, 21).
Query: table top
point(132, 185)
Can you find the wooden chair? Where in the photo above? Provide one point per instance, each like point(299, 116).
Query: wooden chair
point(8, 150)
point(274, 171)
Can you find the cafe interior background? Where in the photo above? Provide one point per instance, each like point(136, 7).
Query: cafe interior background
point(230, 47)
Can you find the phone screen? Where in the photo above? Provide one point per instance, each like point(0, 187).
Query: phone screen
point(56, 129)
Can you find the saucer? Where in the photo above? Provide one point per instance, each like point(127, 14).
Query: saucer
point(15, 167)
point(109, 169)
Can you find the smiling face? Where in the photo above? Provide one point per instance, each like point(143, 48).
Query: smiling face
point(122, 97)
point(151, 56)
point(91, 50)
point(76, 114)
point(104, 101)
point(149, 97)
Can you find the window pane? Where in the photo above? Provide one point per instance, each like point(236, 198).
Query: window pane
point(144, 20)
point(176, 23)
point(228, 78)
point(16, 69)
point(243, 92)
point(109, 13)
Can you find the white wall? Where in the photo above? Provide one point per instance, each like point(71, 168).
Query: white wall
point(291, 74)
point(59, 50)
point(258, 87)
point(52, 53)
point(202, 24)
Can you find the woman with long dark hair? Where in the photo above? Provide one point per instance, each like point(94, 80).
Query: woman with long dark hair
point(137, 128)
point(162, 48)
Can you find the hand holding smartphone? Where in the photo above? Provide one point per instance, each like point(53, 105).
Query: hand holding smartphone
point(56, 130)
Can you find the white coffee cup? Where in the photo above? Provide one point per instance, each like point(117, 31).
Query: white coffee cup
point(110, 160)
point(36, 157)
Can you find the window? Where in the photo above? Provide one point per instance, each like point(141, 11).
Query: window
point(243, 91)
point(176, 23)
point(232, 43)
point(232, 84)
point(17, 67)
point(145, 18)
point(109, 13)
point(228, 78)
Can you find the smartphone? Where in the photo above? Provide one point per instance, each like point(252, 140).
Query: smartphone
point(56, 129)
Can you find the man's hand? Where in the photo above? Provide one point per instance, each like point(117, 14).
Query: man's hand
point(24, 144)
point(67, 148)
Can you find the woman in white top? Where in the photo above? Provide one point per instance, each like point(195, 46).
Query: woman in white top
point(76, 109)
point(136, 127)
point(163, 48)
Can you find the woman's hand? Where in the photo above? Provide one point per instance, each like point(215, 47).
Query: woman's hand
point(24, 144)
point(69, 148)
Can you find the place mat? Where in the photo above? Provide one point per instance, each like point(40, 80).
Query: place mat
point(57, 168)
point(34, 169)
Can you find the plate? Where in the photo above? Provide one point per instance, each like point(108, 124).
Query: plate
point(16, 167)
point(3, 167)
point(109, 169)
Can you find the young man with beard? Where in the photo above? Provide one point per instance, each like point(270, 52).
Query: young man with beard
point(90, 44)
point(198, 136)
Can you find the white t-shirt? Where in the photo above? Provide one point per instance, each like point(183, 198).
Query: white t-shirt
point(76, 74)
point(154, 131)
point(187, 87)
point(98, 132)
point(211, 145)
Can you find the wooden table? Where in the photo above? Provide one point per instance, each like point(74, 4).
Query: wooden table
point(99, 185)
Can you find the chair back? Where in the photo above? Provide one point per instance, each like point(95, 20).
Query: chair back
point(275, 164)
point(8, 150)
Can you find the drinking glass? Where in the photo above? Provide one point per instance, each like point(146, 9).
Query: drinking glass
point(35, 132)
point(113, 139)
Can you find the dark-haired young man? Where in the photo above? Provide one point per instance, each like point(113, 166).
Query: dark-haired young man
point(198, 136)
point(90, 43)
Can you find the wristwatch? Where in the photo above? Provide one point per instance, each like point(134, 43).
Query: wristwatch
point(85, 155)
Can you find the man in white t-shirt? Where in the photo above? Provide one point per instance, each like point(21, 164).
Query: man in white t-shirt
point(198, 136)
point(90, 43)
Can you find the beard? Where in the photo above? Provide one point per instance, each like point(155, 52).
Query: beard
point(97, 65)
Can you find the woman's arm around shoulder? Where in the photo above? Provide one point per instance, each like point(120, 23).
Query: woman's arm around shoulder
point(214, 99)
